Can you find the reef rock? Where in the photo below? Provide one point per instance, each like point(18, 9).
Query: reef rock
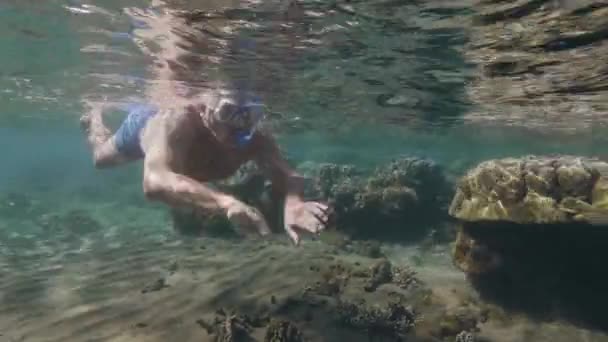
point(385, 301)
point(231, 327)
point(472, 256)
point(381, 273)
point(394, 320)
point(534, 190)
point(540, 64)
point(532, 234)
point(408, 190)
point(283, 331)
point(465, 336)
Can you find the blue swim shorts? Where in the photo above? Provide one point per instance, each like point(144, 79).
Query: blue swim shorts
point(127, 137)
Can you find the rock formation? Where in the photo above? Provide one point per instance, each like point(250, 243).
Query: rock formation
point(395, 200)
point(534, 190)
point(533, 234)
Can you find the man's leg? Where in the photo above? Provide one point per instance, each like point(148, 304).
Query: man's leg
point(101, 140)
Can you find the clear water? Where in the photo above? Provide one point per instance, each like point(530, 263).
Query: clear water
point(350, 82)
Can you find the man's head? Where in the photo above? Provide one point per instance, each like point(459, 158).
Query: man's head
point(236, 121)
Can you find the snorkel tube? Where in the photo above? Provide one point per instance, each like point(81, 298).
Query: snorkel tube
point(249, 105)
point(255, 109)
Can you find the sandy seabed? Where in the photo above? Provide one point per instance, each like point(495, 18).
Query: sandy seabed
point(157, 287)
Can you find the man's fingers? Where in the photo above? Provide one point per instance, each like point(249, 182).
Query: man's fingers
point(323, 212)
point(292, 235)
point(312, 219)
point(313, 226)
point(318, 213)
point(321, 206)
point(316, 209)
point(258, 221)
point(323, 218)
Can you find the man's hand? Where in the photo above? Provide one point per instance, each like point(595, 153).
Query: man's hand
point(246, 217)
point(308, 216)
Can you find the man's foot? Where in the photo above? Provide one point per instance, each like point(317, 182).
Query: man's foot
point(85, 123)
point(93, 111)
point(92, 116)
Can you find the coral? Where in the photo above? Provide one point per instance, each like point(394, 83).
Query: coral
point(533, 189)
point(334, 278)
point(532, 232)
point(381, 273)
point(282, 331)
point(400, 307)
point(404, 277)
point(453, 323)
point(465, 336)
point(471, 256)
point(424, 176)
point(393, 320)
point(407, 189)
point(231, 327)
point(235, 327)
point(330, 177)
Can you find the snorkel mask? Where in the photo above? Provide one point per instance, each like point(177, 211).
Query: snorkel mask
point(245, 117)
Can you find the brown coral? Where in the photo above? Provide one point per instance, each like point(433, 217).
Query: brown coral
point(532, 190)
point(283, 331)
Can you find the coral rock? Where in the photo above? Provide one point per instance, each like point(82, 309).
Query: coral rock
point(533, 190)
point(283, 331)
point(465, 336)
point(471, 256)
point(231, 328)
point(381, 273)
point(394, 320)
point(407, 189)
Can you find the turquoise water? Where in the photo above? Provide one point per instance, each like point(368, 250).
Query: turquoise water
point(350, 83)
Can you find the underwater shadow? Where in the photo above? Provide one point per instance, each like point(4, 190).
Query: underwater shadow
point(549, 272)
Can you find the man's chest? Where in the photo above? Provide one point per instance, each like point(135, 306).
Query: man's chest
point(211, 161)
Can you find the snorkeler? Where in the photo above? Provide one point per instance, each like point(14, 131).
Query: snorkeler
point(208, 140)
